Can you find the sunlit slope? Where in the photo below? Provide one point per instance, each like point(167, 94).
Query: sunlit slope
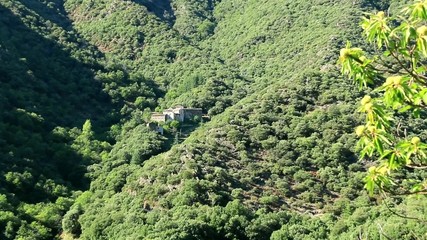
point(286, 146)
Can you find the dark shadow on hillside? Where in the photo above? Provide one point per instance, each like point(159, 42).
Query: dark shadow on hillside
point(161, 8)
point(53, 12)
point(37, 75)
point(37, 157)
point(42, 86)
point(36, 166)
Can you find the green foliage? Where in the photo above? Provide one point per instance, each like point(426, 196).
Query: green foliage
point(47, 87)
point(284, 147)
point(79, 80)
point(399, 95)
point(136, 144)
point(70, 222)
point(86, 145)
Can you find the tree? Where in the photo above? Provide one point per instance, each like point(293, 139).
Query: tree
point(70, 222)
point(86, 144)
point(397, 73)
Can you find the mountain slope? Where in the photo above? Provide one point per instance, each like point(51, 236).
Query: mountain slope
point(279, 150)
point(80, 78)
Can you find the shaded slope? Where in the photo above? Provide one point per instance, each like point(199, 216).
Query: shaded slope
point(38, 75)
point(44, 86)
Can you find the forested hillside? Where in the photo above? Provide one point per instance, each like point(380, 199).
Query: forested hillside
point(276, 159)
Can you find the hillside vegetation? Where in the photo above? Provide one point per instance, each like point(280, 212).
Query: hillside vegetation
point(79, 79)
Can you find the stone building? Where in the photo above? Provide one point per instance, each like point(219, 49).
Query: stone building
point(190, 113)
point(158, 117)
point(155, 127)
point(178, 113)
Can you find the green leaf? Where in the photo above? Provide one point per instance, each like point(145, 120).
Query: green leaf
point(424, 97)
point(405, 109)
point(391, 163)
point(379, 146)
point(370, 184)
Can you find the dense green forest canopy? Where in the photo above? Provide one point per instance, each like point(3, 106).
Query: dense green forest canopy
point(276, 159)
